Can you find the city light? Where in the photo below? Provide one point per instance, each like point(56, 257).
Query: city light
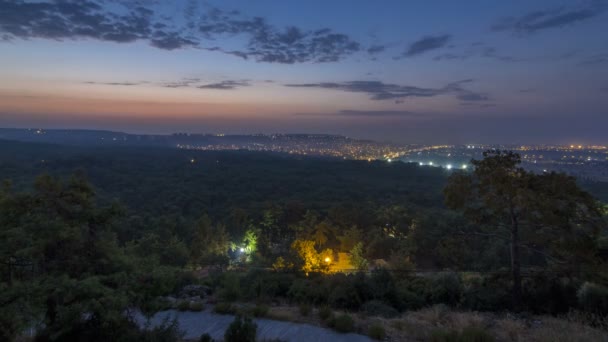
point(242, 249)
point(431, 163)
point(464, 166)
point(328, 260)
point(449, 166)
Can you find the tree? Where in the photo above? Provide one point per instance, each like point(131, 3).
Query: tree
point(209, 243)
point(310, 259)
point(546, 214)
point(357, 257)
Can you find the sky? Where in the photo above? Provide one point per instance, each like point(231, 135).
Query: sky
point(403, 71)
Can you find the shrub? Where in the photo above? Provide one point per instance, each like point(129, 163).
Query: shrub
point(547, 294)
point(446, 288)
point(260, 310)
point(344, 324)
point(468, 334)
point(377, 332)
point(241, 330)
point(224, 309)
point(593, 298)
point(325, 313)
point(345, 296)
point(305, 309)
point(196, 306)
point(184, 305)
point(475, 334)
point(206, 338)
point(487, 293)
point(378, 308)
point(230, 287)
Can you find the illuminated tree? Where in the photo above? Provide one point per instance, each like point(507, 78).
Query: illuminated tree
point(357, 258)
point(310, 259)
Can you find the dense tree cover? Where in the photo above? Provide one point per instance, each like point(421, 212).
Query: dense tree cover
point(548, 213)
point(64, 270)
point(107, 230)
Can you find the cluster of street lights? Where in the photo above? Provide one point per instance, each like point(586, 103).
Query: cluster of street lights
point(448, 166)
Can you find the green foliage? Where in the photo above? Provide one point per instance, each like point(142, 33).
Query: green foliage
point(196, 306)
point(241, 330)
point(357, 258)
point(224, 309)
point(376, 331)
point(206, 338)
point(260, 310)
point(305, 309)
point(468, 334)
point(593, 298)
point(325, 313)
point(378, 308)
point(343, 323)
point(184, 305)
point(445, 288)
point(230, 287)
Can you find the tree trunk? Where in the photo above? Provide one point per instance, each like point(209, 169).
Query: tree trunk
point(515, 264)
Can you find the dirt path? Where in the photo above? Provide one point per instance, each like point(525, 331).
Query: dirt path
point(194, 324)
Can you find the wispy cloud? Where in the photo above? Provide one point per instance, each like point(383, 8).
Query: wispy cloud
point(426, 44)
point(595, 60)
point(225, 85)
point(367, 113)
point(377, 90)
point(116, 83)
point(550, 18)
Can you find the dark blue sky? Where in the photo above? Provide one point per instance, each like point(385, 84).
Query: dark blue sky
point(408, 71)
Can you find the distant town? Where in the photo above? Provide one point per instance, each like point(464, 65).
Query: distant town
point(588, 162)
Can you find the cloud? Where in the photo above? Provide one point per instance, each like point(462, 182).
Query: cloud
point(85, 19)
point(116, 83)
point(374, 49)
point(595, 60)
point(225, 85)
point(552, 18)
point(184, 83)
point(377, 90)
point(401, 113)
point(484, 51)
point(427, 44)
point(267, 43)
point(366, 113)
point(130, 21)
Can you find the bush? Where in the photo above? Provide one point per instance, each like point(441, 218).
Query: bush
point(230, 287)
point(344, 324)
point(446, 288)
point(206, 338)
point(377, 332)
point(489, 293)
point(184, 305)
point(378, 308)
point(241, 330)
point(468, 334)
point(549, 295)
point(305, 309)
point(260, 310)
point(475, 334)
point(593, 298)
point(196, 306)
point(325, 313)
point(224, 309)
